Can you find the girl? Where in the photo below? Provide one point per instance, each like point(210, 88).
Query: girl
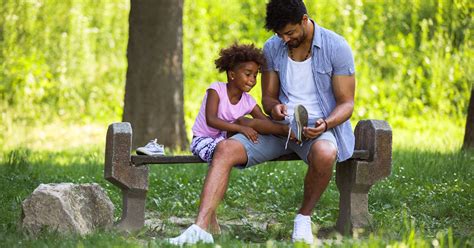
point(222, 114)
point(225, 104)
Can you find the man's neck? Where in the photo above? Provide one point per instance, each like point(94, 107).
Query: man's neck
point(309, 28)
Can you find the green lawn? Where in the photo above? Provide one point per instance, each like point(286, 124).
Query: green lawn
point(427, 201)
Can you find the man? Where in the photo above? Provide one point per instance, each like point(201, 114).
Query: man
point(306, 65)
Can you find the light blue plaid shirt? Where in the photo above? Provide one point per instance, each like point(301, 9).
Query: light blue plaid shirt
point(331, 55)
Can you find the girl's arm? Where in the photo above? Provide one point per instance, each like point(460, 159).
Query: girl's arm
point(212, 106)
point(257, 113)
point(262, 123)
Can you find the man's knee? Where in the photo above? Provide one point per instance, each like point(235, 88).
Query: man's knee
point(230, 151)
point(322, 154)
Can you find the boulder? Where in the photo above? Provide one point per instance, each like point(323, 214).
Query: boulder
point(67, 208)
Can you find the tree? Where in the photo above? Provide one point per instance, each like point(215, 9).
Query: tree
point(469, 135)
point(154, 82)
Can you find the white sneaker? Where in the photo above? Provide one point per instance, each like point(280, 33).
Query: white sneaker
point(297, 123)
point(301, 121)
point(192, 235)
point(302, 229)
point(151, 149)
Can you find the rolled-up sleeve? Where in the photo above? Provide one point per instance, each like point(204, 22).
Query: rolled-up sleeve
point(342, 59)
point(269, 65)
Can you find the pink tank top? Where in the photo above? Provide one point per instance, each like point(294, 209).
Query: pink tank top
point(226, 111)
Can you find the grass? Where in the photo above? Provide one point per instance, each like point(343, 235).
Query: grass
point(427, 201)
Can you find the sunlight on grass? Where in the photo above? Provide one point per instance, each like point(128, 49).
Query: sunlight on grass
point(427, 134)
point(420, 134)
point(55, 137)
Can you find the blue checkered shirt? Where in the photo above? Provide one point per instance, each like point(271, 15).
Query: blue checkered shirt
point(331, 55)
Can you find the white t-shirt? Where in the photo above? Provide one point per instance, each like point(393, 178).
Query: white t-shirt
point(302, 89)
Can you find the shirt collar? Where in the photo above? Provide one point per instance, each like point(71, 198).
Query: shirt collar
point(317, 37)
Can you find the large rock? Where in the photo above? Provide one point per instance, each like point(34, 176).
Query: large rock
point(67, 207)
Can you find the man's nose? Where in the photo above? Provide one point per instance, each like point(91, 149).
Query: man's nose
point(285, 38)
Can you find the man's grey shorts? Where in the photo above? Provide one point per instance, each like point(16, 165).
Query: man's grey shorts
point(271, 146)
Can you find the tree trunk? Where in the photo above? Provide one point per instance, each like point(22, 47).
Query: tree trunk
point(469, 135)
point(154, 86)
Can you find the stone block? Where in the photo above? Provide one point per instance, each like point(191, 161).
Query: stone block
point(67, 208)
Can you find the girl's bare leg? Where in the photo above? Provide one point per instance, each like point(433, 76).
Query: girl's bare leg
point(264, 126)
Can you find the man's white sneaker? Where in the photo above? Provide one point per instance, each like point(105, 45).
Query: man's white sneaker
point(297, 123)
point(192, 235)
point(151, 149)
point(302, 230)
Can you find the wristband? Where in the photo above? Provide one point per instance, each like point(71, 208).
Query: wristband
point(325, 125)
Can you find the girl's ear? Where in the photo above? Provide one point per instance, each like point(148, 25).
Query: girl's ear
point(230, 75)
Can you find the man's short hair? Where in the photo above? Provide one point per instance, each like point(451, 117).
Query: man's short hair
point(283, 12)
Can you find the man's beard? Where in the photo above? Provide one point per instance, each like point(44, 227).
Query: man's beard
point(297, 42)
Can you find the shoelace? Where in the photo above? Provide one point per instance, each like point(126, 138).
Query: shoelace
point(288, 138)
point(154, 145)
point(152, 142)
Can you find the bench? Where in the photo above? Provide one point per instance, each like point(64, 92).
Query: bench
point(371, 162)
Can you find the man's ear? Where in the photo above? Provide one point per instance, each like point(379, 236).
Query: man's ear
point(305, 19)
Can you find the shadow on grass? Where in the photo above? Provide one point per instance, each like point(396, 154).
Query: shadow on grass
point(432, 190)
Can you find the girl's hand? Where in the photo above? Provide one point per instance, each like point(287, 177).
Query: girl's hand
point(250, 133)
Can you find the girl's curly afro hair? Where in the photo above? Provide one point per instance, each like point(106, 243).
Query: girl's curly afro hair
point(230, 58)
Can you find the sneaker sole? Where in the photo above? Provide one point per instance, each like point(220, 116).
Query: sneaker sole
point(148, 153)
point(301, 117)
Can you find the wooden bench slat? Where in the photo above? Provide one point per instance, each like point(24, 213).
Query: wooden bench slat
point(139, 160)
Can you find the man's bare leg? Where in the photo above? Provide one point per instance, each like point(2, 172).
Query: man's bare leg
point(228, 153)
point(321, 159)
point(214, 227)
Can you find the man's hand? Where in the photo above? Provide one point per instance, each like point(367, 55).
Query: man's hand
point(313, 132)
point(279, 111)
point(250, 133)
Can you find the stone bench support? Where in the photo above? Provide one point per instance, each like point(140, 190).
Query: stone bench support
point(371, 162)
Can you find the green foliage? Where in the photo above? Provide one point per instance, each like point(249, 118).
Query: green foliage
point(413, 57)
point(66, 60)
point(62, 59)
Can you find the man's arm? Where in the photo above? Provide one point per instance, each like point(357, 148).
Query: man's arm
point(270, 91)
point(344, 91)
